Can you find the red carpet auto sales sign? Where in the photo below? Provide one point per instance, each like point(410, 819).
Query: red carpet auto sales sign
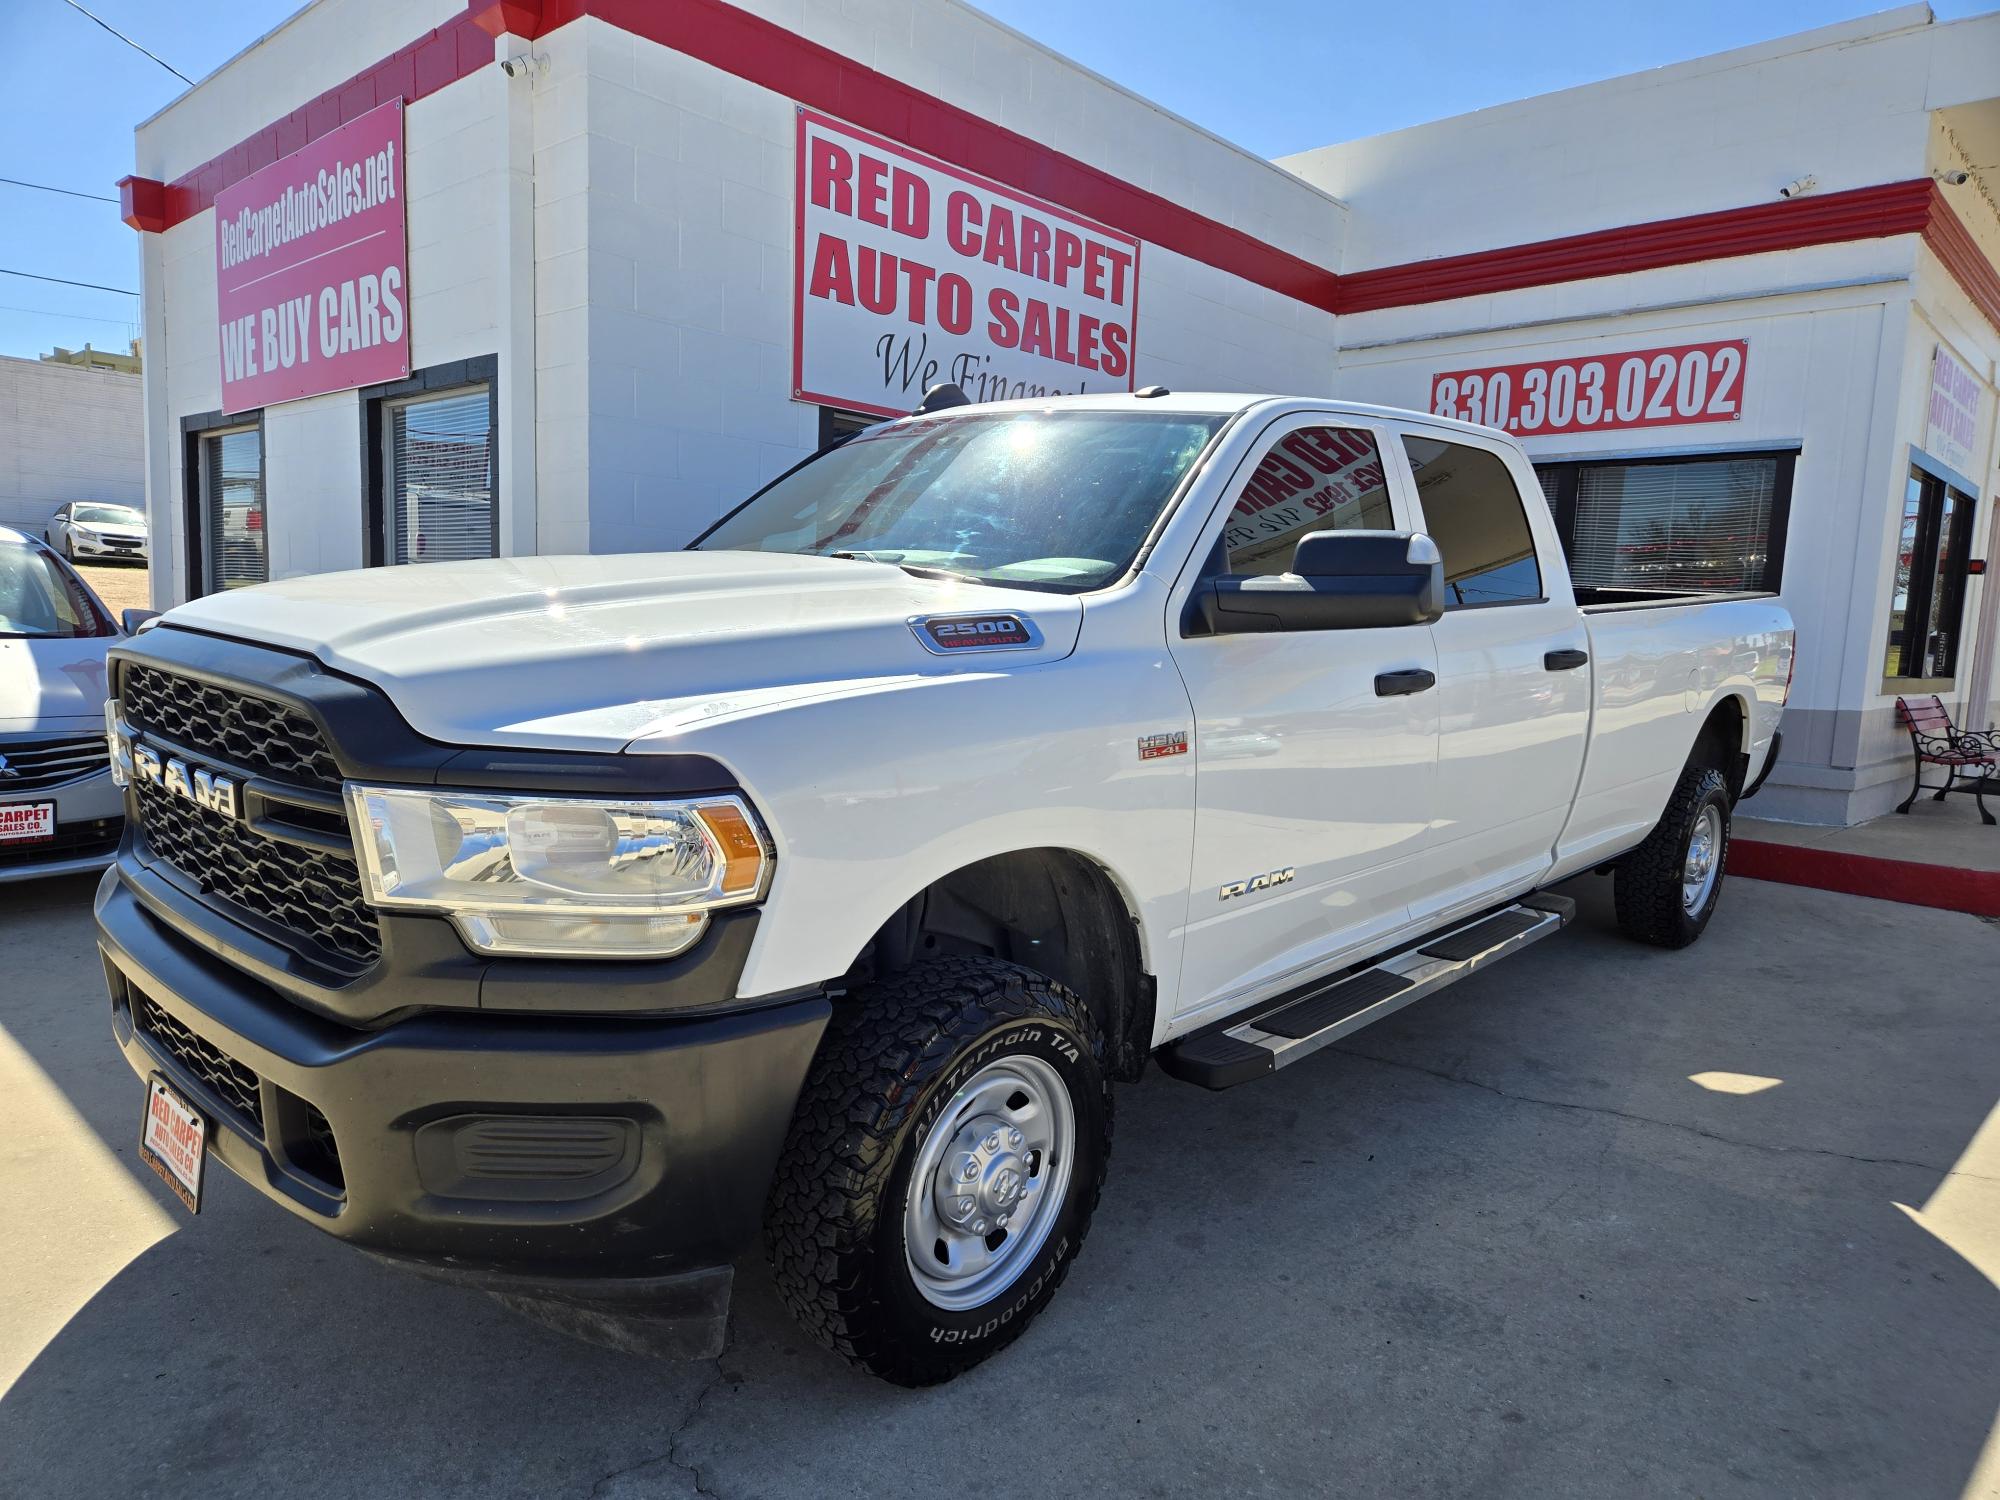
point(312, 267)
point(911, 272)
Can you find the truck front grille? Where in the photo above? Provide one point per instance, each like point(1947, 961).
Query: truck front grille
point(229, 1080)
point(253, 734)
point(310, 896)
point(307, 892)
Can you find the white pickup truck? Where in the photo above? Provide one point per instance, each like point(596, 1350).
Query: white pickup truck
point(553, 923)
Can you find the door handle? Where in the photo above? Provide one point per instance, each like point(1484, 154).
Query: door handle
point(1565, 660)
point(1395, 684)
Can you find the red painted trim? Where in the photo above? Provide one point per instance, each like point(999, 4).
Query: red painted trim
point(1952, 243)
point(1907, 881)
point(142, 203)
point(497, 18)
point(1788, 224)
point(439, 57)
point(764, 53)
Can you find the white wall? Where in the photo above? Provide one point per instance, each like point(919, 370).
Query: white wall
point(664, 219)
point(67, 433)
point(1848, 103)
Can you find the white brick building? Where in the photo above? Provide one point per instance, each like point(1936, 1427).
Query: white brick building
point(67, 433)
point(610, 329)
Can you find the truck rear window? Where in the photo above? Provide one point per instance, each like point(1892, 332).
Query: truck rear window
point(1051, 500)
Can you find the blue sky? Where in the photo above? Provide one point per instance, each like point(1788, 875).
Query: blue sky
point(1275, 75)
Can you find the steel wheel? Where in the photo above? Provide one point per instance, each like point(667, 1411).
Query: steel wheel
point(1703, 858)
point(988, 1183)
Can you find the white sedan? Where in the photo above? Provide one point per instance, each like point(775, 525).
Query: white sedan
point(87, 529)
point(59, 811)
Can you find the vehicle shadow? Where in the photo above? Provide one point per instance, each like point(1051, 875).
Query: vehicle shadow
point(1500, 1244)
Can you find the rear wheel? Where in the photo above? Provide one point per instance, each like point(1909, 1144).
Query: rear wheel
point(947, 1154)
point(1666, 889)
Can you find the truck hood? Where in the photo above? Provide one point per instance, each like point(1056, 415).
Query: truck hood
point(590, 652)
point(54, 684)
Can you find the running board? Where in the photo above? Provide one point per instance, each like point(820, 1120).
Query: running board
point(1300, 1022)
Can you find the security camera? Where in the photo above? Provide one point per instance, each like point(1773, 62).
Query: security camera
point(1954, 178)
point(1798, 187)
point(518, 66)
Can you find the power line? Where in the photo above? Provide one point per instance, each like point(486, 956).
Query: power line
point(49, 312)
point(95, 286)
point(43, 187)
point(132, 44)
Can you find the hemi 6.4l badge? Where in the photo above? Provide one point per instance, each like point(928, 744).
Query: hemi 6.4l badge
point(1257, 883)
point(948, 635)
point(1153, 746)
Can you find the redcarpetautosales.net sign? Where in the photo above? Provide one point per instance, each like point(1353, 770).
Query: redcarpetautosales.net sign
point(910, 272)
point(311, 267)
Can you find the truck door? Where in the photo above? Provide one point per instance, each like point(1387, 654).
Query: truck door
point(1313, 782)
point(1513, 684)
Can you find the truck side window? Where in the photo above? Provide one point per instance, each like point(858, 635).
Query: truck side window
point(1312, 479)
point(1473, 511)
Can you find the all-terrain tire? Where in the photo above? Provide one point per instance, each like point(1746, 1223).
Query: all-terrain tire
point(1648, 886)
point(893, 1057)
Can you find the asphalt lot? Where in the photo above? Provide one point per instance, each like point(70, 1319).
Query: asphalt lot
point(1498, 1245)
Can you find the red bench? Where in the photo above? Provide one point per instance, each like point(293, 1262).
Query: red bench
point(1973, 754)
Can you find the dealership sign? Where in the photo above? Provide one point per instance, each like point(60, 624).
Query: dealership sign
point(910, 272)
point(311, 267)
point(1600, 393)
point(1951, 419)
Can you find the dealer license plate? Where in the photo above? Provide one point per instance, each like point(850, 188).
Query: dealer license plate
point(27, 822)
point(173, 1141)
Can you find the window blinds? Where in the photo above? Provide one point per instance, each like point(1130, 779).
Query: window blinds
point(233, 502)
point(440, 478)
point(1699, 525)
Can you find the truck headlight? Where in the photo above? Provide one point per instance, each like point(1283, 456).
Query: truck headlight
point(575, 877)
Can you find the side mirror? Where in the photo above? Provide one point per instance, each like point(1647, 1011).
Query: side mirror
point(136, 620)
point(1340, 580)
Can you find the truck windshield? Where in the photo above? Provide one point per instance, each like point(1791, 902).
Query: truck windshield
point(40, 599)
point(1050, 500)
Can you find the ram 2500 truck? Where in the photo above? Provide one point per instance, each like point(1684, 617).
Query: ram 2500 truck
point(556, 923)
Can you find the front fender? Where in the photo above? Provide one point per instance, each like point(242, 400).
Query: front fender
point(874, 791)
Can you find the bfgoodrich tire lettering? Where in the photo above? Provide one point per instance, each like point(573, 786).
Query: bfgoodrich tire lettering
point(892, 1060)
point(1652, 883)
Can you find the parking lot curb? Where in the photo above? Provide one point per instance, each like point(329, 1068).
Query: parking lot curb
point(1908, 881)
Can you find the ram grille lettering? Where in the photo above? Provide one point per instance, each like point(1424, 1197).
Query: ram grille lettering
point(204, 788)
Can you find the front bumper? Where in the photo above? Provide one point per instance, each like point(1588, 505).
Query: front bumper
point(90, 814)
point(82, 547)
point(510, 1150)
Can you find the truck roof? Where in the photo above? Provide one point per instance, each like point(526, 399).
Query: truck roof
point(1219, 403)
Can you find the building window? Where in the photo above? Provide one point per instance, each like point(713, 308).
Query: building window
point(437, 466)
point(1929, 593)
point(1474, 513)
point(430, 449)
point(837, 426)
point(230, 484)
point(1313, 479)
point(1673, 525)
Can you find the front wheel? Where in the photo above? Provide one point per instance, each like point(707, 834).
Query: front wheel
point(947, 1154)
point(1666, 889)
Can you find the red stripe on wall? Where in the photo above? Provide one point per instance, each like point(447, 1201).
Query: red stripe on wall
point(1788, 224)
point(1954, 245)
point(437, 58)
point(766, 54)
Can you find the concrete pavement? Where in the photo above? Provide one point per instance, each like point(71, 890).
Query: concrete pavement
point(1499, 1245)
